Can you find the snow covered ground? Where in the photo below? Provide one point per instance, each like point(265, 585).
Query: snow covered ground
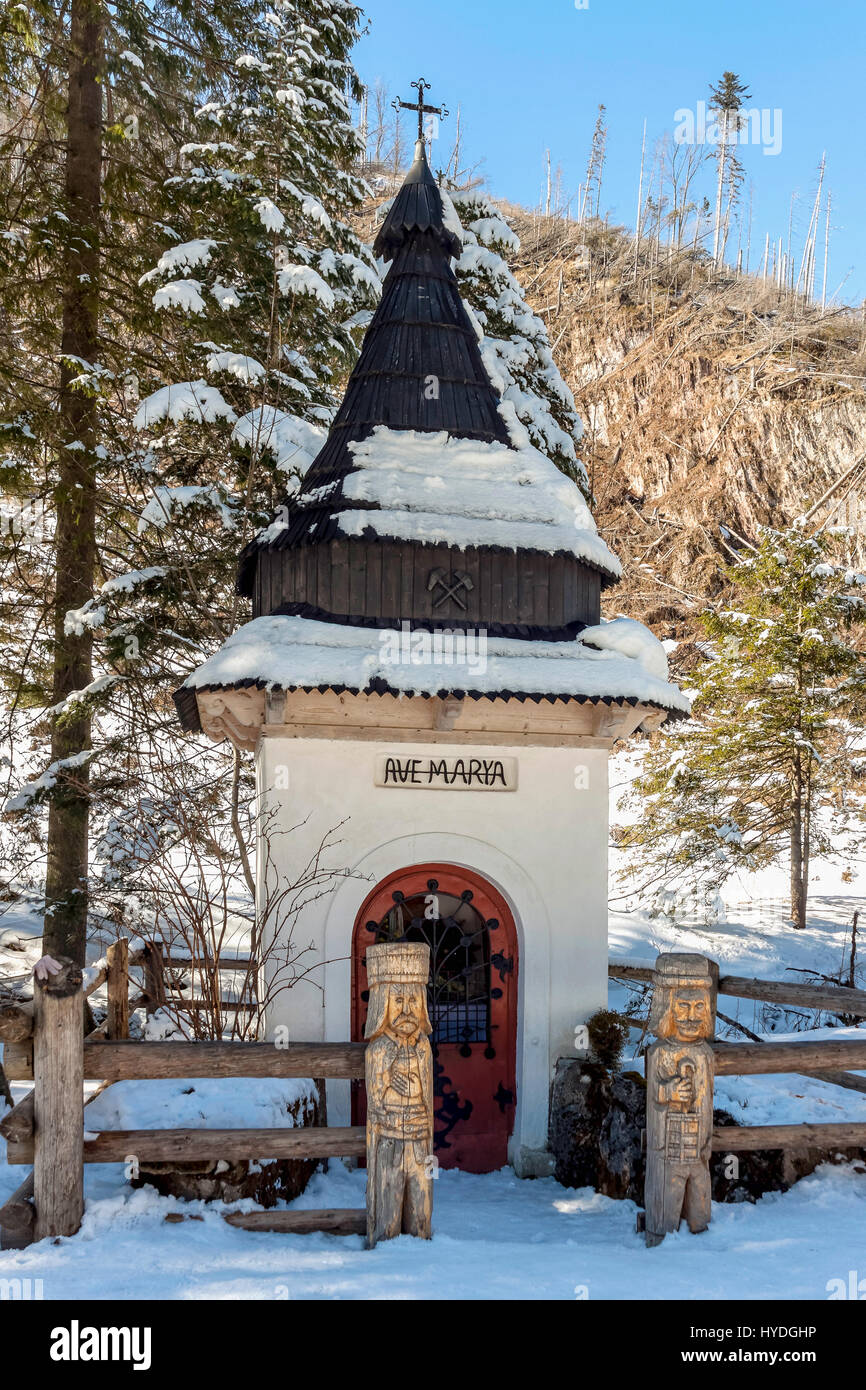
point(495, 1237)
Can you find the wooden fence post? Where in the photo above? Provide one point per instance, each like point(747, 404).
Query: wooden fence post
point(118, 990)
point(58, 1100)
point(714, 994)
point(154, 977)
point(679, 1096)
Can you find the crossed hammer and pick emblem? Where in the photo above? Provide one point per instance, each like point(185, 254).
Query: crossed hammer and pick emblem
point(451, 586)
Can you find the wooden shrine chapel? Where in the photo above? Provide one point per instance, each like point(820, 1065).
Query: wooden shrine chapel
point(431, 695)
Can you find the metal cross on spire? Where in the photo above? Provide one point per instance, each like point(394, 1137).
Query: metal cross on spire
point(421, 87)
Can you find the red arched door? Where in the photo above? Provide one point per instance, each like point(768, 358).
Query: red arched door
point(473, 1002)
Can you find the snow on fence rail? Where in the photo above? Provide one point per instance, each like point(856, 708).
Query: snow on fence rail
point(46, 1129)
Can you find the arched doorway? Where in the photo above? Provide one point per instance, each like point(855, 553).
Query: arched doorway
point(473, 1002)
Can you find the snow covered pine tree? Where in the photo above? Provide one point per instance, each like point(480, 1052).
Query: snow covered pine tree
point(262, 286)
point(215, 377)
point(87, 139)
point(515, 347)
point(770, 769)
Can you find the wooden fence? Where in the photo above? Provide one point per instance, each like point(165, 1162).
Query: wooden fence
point(838, 999)
point(44, 1041)
point(676, 1151)
point(206, 973)
point(834, 998)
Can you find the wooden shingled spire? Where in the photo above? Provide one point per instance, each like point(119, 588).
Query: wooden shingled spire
point(420, 330)
point(445, 520)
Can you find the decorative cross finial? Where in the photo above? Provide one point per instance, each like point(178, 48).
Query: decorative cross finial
point(421, 86)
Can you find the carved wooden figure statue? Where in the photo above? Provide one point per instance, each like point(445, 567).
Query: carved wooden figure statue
point(679, 1097)
point(399, 1073)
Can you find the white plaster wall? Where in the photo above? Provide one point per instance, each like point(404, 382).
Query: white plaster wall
point(543, 846)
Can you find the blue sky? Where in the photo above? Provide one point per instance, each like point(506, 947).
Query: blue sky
point(531, 75)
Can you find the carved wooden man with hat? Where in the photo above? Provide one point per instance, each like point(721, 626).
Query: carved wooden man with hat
point(679, 1074)
point(399, 1074)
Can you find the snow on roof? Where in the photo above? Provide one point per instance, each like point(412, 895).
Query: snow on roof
point(630, 638)
point(285, 653)
point(435, 488)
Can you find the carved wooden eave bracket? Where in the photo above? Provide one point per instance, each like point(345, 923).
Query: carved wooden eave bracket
point(237, 715)
point(246, 714)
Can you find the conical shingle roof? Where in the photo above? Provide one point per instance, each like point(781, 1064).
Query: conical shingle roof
point(419, 332)
point(426, 514)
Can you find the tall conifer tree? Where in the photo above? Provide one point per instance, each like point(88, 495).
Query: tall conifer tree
point(770, 768)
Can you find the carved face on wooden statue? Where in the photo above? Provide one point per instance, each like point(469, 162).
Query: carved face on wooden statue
point(682, 1003)
point(397, 973)
point(688, 1016)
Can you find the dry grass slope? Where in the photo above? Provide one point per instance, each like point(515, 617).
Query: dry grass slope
point(712, 404)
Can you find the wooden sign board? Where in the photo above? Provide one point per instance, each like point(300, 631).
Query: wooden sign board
point(451, 773)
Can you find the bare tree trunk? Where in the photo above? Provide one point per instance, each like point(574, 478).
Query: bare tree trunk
point(75, 496)
point(380, 98)
point(720, 183)
point(364, 130)
point(807, 263)
point(236, 824)
point(826, 255)
point(639, 216)
point(455, 153)
point(798, 884)
point(726, 220)
point(398, 142)
point(788, 257)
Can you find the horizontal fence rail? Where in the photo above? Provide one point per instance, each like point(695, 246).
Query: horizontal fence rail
point(748, 1059)
point(200, 1145)
point(834, 998)
point(16, 1022)
point(136, 1061)
point(755, 1137)
point(18, 1060)
point(189, 963)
